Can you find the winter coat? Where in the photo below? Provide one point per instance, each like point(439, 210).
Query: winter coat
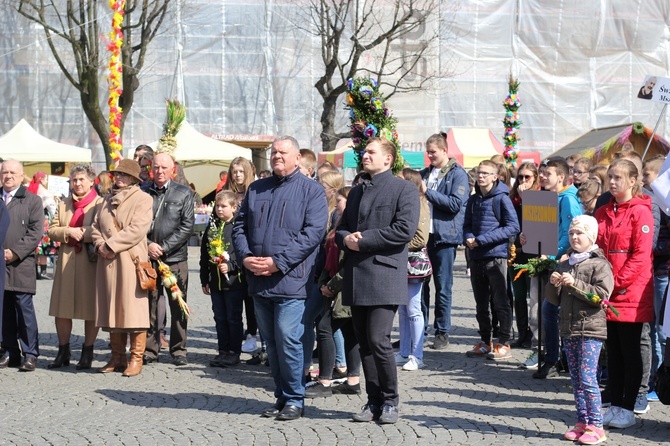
point(73, 291)
point(626, 238)
point(579, 317)
point(448, 202)
point(4, 227)
point(491, 220)
point(26, 226)
point(173, 221)
point(569, 207)
point(284, 218)
point(385, 209)
point(209, 272)
point(420, 238)
point(121, 303)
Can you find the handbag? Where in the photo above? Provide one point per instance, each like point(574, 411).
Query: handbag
point(662, 384)
point(146, 274)
point(418, 264)
point(90, 250)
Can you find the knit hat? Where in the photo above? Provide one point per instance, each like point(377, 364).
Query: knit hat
point(587, 225)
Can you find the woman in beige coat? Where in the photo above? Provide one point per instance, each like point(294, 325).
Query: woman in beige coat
point(119, 234)
point(73, 292)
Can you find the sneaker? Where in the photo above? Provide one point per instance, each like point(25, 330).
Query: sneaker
point(249, 345)
point(258, 358)
point(369, 412)
point(441, 341)
point(576, 432)
point(481, 349)
point(623, 418)
point(346, 389)
point(592, 435)
point(652, 396)
point(389, 414)
point(531, 362)
point(414, 363)
point(318, 390)
point(338, 374)
point(641, 404)
point(500, 351)
point(400, 359)
point(547, 370)
point(609, 414)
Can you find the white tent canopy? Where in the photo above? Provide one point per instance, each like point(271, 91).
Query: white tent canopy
point(203, 157)
point(23, 143)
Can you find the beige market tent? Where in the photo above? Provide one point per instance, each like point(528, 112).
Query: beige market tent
point(23, 143)
point(203, 157)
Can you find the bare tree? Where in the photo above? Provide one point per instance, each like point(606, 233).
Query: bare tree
point(388, 40)
point(77, 24)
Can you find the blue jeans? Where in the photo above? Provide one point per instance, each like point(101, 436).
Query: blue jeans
point(442, 258)
point(340, 356)
point(313, 309)
point(410, 319)
point(280, 323)
point(657, 336)
point(550, 325)
point(227, 308)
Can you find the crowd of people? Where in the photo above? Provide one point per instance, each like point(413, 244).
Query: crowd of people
point(299, 256)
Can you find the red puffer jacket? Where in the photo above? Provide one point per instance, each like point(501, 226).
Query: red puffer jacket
point(627, 237)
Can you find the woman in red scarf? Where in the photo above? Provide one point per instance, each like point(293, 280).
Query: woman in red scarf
point(73, 292)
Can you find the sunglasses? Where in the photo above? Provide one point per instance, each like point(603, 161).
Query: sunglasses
point(525, 177)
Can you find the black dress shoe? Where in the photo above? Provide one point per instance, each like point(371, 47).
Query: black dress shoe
point(272, 411)
point(7, 361)
point(148, 360)
point(28, 365)
point(290, 412)
point(180, 360)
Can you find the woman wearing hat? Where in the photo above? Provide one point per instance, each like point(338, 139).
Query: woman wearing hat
point(119, 235)
point(73, 292)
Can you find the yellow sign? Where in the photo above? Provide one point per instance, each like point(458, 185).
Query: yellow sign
point(540, 222)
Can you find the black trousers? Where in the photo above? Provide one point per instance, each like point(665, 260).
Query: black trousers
point(178, 323)
point(624, 362)
point(373, 325)
point(324, 338)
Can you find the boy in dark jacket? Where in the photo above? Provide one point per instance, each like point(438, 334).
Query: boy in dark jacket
point(490, 221)
point(221, 278)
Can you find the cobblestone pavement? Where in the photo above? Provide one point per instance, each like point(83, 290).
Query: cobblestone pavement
point(454, 400)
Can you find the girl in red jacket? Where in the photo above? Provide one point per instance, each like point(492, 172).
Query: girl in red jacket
point(625, 233)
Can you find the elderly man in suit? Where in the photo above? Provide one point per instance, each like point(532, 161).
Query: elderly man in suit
point(380, 219)
point(19, 322)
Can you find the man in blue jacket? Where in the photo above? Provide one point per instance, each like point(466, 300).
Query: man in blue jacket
point(276, 235)
point(490, 222)
point(446, 187)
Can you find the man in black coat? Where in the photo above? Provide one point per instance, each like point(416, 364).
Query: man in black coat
point(167, 240)
point(380, 219)
point(26, 225)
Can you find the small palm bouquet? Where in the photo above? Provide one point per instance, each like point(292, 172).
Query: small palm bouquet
point(217, 248)
point(170, 282)
point(535, 266)
point(597, 300)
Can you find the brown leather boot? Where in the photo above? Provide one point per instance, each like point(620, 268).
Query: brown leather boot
point(119, 359)
point(138, 341)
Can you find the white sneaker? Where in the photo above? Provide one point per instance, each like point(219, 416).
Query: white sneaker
point(249, 345)
point(401, 360)
point(531, 362)
point(624, 418)
point(609, 414)
point(414, 363)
